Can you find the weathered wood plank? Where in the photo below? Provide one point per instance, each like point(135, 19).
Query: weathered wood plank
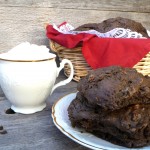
point(20, 24)
point(117, 5)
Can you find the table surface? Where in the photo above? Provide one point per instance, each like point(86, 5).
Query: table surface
point(35, 131)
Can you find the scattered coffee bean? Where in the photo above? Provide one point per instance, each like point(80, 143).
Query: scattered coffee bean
point(3, 131)
point(9, 111)
point(1, 127)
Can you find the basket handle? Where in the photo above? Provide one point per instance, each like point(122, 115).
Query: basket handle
point(64, 82)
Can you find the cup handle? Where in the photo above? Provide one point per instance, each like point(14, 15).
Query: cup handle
point(64, 82)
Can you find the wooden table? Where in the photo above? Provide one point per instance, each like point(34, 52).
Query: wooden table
point(35, 131)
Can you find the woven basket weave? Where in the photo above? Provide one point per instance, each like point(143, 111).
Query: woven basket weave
point(81, 67)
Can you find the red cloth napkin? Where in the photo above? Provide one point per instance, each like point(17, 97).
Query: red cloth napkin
point(103, 52)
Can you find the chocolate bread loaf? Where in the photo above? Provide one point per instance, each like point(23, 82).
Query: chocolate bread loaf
point(113, 103)
point(112, 23)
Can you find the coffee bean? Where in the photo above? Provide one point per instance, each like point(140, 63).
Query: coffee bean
point(1, 127)
point(9, 111)
point(3, 131)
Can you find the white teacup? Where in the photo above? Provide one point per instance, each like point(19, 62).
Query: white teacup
point(28, 83)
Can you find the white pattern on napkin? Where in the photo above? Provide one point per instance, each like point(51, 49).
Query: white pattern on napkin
point(66, 28)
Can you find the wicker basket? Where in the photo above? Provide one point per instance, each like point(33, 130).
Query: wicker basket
point(81, 67)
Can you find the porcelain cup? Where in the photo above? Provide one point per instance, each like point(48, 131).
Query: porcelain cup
point(28, 83)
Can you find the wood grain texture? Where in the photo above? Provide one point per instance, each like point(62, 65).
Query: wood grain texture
point(117, 5)
point(20, 24)
point(24, 20)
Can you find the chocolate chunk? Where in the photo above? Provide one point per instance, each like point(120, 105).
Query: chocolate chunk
point(3, 131)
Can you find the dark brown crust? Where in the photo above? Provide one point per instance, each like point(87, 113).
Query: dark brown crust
point(115, 87)
point(112, 23)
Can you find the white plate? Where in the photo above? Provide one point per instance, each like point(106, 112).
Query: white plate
point(62, 122)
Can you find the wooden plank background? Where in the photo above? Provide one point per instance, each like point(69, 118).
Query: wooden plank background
point(23, 20)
